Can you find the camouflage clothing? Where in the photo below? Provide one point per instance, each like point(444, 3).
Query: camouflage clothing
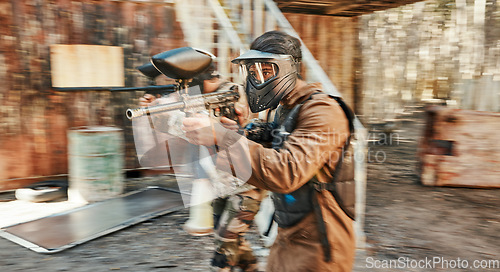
point(233, 216)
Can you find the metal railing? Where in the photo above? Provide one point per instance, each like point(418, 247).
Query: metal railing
point(206, 26)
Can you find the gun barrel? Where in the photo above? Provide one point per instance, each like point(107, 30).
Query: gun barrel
point(195, 101)
point(134, 113)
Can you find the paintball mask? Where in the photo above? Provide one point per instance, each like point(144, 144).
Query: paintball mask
point(268, 77)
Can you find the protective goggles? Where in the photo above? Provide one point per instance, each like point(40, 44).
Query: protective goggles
point(260, 72)
point(260, 67)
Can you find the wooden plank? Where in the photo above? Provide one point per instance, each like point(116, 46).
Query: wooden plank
point(305, 34)
point(15, 157)
point(323, 43)
point(332, 40)
point(357, 86)
point(308, 33)
point(349, 53)
point(37, 133)
point(86, 66)
point(57, 125)
point(340, 7)
point(335, 52)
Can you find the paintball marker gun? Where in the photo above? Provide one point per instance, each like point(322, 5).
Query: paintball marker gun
point(218, 105)
point(182, 64)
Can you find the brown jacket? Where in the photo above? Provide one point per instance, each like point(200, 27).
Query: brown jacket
point(313, 148)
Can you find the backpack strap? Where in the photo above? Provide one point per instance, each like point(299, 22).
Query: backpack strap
point(330, 186)
point(323, 235)
point(286, 128)
point(348, 112)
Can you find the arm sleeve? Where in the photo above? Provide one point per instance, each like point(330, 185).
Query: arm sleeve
point(318, 138)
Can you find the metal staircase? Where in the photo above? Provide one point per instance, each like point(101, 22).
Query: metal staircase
point(227, 27)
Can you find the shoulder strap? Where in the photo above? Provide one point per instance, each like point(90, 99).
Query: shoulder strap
point(320, 186)
point(289, 122)
point(331, 186)
point(287, 126)
point(348, 112)
point(350, 118)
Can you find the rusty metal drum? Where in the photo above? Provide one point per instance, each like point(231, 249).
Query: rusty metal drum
point(95, 162)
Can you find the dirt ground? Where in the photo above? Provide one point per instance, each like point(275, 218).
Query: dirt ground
point(407, 220)
point(408, 227)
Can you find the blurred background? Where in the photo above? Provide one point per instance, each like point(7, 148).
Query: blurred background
point(423, 78)
point(384, 57)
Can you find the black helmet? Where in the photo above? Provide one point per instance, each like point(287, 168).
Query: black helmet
point(268, 77)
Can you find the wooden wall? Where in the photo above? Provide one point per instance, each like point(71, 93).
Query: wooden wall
point(35, 118)
point(334, 43)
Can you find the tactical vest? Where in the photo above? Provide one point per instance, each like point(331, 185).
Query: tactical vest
point(293, 207)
